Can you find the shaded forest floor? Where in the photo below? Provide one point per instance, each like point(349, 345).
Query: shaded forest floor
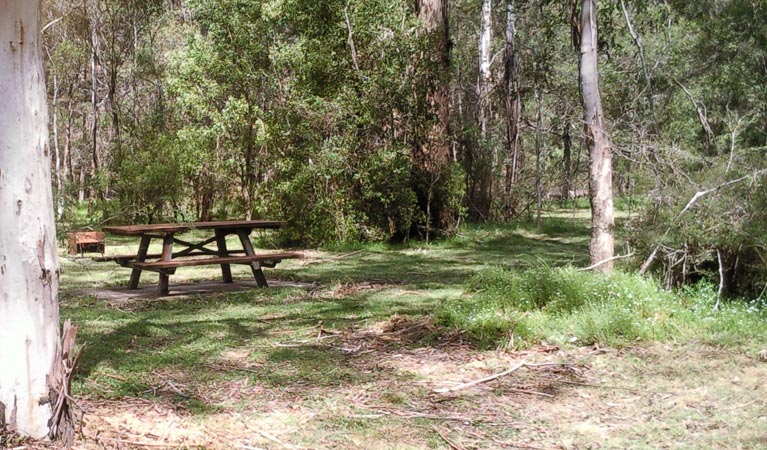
point(342, 353)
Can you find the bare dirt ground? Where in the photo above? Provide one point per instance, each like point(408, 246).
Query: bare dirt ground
point(656, 396)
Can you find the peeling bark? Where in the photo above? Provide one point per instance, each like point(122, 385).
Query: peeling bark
point(602, 245)
point(432, 155)
point(29, 314)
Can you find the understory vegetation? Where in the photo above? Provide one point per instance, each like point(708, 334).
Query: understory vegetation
point(347, 347)
point(564, 306)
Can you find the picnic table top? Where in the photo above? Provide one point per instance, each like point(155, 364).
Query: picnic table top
point(137, 230)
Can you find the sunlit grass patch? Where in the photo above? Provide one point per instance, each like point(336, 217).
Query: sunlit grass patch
point(565, 306)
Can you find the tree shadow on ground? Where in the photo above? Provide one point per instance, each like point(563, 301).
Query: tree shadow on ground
point(453, 262)
point(275, 330)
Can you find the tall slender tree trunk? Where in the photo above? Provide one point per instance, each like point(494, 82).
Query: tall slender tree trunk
point(513, 107)
point(57, 151)
point(488, 156)
point(94, 100)
point(435, 150)
point(29, 269)
point(538, 147)
point(601, 248)
point(68, 170)
point(485, 80)
point(567, 151)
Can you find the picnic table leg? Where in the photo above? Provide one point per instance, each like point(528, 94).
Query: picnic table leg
point(255, 266)
point(226, 270)
point(167, 253)
point(135, 275)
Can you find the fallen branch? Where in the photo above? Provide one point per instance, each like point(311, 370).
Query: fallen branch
point(480, 381)
point(605, 261)
point(650, 259)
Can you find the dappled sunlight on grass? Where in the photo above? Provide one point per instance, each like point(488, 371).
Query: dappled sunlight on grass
point(348, 356)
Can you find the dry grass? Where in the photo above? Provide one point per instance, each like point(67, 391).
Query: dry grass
point(646, 397)
point(350, 359)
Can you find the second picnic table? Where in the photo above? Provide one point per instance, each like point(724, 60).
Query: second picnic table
point(168, 261)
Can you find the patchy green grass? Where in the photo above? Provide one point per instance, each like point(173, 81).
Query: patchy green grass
point(350, 357)
point(565, 306)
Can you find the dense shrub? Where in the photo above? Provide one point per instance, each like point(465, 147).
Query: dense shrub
point(729, 223)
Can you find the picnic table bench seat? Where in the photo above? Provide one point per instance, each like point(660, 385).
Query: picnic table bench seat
point(266, 260)
point(124, 259)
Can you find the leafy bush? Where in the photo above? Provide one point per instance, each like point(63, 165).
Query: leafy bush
point(339, 194)
point(563, 305)
point(148, 183)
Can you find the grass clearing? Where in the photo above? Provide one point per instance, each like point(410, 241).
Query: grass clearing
point(565, 306)
point(351, 358)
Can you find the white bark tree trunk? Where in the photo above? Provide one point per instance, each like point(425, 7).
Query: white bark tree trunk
point(513, 105)
point(485, 81)
point(29, 270)
point(487, 155)
point(602, 246)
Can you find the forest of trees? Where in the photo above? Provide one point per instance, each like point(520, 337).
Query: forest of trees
point(392, 120)
point(375, 120)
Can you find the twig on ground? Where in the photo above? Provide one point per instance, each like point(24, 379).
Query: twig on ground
point(112, 376)
point(175, 389)
point(136, 443)
point(272, 438)
point(526, 391)
point(345, 255)
point(518, 445)
point(481, 380)
point(452, 444)
point(419, 415)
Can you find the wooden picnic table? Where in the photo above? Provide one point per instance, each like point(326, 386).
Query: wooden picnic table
point(196, 253)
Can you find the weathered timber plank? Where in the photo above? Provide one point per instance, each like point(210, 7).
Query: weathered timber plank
point(134, 230)
point(214, 261)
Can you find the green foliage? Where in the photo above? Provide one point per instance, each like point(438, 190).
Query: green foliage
point(341, 195)
point(562, 305)
point(151, 181)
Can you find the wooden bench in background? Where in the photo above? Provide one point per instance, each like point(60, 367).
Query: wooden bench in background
point(85, 241)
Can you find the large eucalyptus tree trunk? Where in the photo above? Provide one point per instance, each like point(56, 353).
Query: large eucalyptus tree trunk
point(435, 150)
point(601, 248)
point(432, 156)
point(29, 270)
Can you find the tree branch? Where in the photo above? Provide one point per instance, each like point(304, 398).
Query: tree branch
point(605, 261)
point(698, 195)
